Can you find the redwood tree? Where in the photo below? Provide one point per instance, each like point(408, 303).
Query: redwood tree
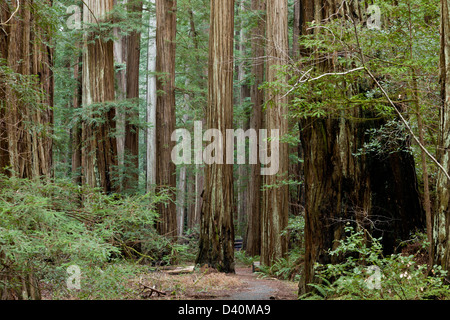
point(216, 247)
point(100, 146)
point(275, 205)
point(131, 147)
point(166, 24)
point(26, 117)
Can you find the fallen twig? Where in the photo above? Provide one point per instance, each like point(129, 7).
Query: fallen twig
point(152, 290)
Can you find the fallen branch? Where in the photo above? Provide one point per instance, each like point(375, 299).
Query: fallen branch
point(152, 290)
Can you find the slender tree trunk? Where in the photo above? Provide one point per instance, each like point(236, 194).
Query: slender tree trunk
point(244, 94)
point(191, 222)
point(120, 57)
point(181, 200)
point(295, 167)
point(131, 147)
point(275, 207)
point(253, 245)
point(441, 227)
point(423, 157)
point(216, 247)
point(76, 131)
point(165, 111)
point(199, 170)
point(151, 103)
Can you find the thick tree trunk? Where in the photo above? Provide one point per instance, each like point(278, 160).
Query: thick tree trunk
point(253, 245)
point(377, 193)
point(100, 147)
point(216, 247)
point(26, 128)
point(165, 111)
point(275, 206)
point(26, 119)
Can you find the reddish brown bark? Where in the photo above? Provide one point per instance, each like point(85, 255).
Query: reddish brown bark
point(100, 146)
point(165, 112)
point(131, 180)
point(216, 247)
point(26, 127)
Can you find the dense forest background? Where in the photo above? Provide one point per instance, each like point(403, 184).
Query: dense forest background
point(92, 92)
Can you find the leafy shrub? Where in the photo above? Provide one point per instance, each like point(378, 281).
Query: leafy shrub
point(242, 257)
point(366, 274)
point(47, 226)
point(286, 268)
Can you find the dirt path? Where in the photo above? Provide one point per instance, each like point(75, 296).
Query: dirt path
point(207, 284)
point(254, 288)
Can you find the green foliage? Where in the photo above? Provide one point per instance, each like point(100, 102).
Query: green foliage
point(285, 268)
point(390, 138)
point(242, 257)
point(288, 267)
point(44, 229)
point(366, 274)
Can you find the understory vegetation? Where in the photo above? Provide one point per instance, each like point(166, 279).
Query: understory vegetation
point(112, 240)
point(44, 230)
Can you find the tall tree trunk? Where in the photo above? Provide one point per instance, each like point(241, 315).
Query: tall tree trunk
point(216, 247)
point(191, 218)
point(275, 206)
point(295, 167)
point(76, 131)
point(151, 104)
point(244, 94)
point(26, 128)
point(165, 111)
point(131, 147)
point(26, 117)
point(199, 170)
point(181, 200)
point(120, 58)
point(253, 245)
point(415, 95)
point(98, 89)
point(441, 227)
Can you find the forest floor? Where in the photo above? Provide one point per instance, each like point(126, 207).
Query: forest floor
point(212, 285)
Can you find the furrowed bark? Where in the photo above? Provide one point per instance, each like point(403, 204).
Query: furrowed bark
point(216, 247)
